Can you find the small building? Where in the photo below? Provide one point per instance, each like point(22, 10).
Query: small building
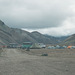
point(12, 45)
point(26, 45)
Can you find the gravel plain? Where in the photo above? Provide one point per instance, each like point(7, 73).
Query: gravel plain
point(21, 62)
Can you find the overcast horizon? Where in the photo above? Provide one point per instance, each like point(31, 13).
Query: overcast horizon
point(52, 17)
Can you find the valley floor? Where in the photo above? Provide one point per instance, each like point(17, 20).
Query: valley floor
point(21, 62)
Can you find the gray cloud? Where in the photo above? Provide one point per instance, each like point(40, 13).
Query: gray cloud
point(35, 14)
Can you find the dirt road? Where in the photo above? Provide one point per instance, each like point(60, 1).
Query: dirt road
point(14, 62)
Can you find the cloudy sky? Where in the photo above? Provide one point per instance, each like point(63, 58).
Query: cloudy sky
point(53, 17)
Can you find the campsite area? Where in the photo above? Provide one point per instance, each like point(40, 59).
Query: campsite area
point(22, 62)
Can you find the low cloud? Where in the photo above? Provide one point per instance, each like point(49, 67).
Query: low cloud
point(38, 14)
point(67, 28)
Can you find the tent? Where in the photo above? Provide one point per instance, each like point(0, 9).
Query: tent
point(65, 46)
point(73, 47)
point(42, 45)
point(57, 47)
point(35, 46)
point(51, 47)
point(69, 47)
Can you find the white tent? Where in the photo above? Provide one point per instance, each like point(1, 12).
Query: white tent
point(35, 46)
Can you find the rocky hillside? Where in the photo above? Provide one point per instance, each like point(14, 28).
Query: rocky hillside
point(12, 35)
point(15, 35)
point(70, 40)
point(57, 40)
point(5, 36)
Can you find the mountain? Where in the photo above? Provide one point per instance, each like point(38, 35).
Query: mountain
point(42, 38)
point(15, 35)
point(70, 40)
point(5, 36)
point(21, 36)
point(57, 40)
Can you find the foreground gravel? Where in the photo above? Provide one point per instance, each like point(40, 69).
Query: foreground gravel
point(15, 62)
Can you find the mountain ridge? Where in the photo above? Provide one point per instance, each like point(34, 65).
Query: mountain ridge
point(15, 35)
